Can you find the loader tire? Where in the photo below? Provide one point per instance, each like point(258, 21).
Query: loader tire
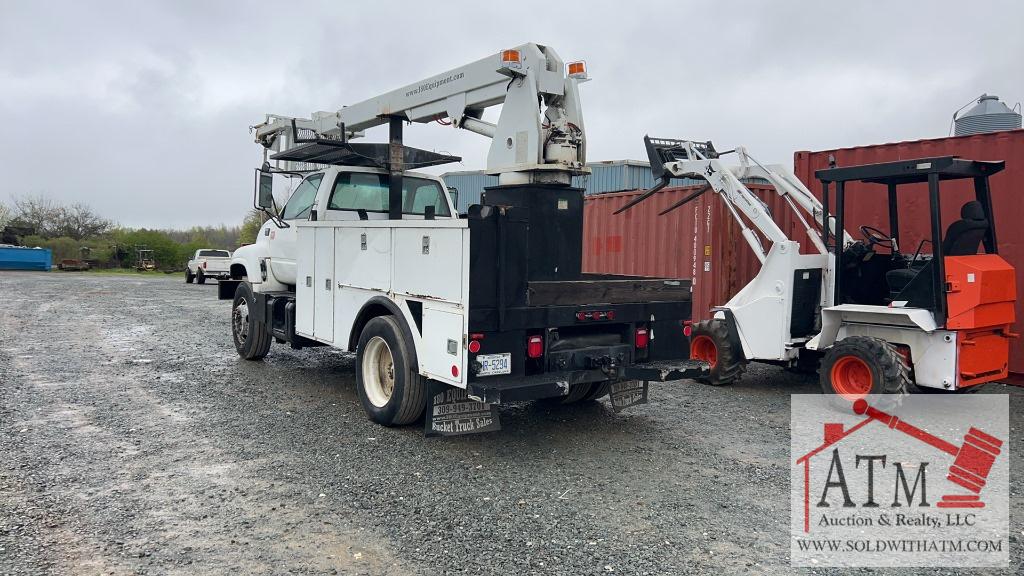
point(710, 342)
point(252, 341)
point(390, 389)
point(189, 276)
point(863, 367)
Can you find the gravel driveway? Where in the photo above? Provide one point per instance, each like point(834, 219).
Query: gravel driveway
point(133, 440)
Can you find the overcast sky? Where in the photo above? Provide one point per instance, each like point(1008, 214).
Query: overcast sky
point(142, 109)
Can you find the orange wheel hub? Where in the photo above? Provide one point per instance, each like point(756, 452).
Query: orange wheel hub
point(703, 348)
point(851, 378)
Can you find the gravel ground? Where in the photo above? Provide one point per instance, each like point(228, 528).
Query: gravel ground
point(133, 440)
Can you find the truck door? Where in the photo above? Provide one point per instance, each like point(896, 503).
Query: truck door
point(283, 240)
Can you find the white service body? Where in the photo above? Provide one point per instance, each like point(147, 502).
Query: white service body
point(339, 264)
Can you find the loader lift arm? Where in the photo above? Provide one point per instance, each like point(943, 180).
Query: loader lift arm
point(689, 159)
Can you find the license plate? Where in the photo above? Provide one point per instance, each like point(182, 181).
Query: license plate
point(491, 364)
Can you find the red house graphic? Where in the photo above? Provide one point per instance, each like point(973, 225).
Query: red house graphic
point(972, 460)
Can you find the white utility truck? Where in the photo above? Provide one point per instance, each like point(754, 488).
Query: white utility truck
point(208, 263)
point(485, 308)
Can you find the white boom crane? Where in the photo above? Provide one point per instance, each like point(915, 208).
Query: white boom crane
point(539, 136)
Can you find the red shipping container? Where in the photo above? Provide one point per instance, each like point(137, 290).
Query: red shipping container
point(866, 203)
point(699, 240)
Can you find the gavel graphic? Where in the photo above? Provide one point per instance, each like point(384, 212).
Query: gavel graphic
point(972, 460)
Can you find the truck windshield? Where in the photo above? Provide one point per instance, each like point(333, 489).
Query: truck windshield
point(301, 202)
point(214, 254)
point(367, 191)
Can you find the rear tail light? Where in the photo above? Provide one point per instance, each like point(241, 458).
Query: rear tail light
point(535, 347)
point(474, 346)
point(585, 315)
point(204, 265)
point(687, 328)
point(642, 338)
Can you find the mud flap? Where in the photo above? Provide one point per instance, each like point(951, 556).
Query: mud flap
point(628, 393)
point(226, 289)
point(450, 412)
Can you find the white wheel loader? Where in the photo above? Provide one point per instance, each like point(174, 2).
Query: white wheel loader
point(878, 319)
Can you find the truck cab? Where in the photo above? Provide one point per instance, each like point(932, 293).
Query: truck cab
point(333, 194)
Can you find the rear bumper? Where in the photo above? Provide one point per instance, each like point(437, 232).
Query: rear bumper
point(497, 389)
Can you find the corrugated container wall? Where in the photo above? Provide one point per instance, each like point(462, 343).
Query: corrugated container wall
point(610, 176)
point(1007, 199)
point(698, 241)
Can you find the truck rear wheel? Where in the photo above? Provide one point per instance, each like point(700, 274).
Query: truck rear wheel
point(252, 341)
point(200, 277)
point(390, 390)
point(710, 342)
point(860, 367)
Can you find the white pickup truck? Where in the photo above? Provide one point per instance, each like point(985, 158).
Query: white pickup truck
point(208, 263)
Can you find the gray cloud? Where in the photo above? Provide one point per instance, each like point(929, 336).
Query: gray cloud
point(141, 109)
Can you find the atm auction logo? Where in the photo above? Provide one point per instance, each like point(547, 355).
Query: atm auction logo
point(917, 481)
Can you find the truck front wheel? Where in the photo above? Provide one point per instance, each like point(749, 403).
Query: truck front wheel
point(252, 341)
point(189, 276)
point(390, 390)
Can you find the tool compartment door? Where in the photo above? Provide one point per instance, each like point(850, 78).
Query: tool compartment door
point(304, 289)
point(431, 266)
point(441, 351)
point(323, 284)
point(363, 257)
point(429, 263)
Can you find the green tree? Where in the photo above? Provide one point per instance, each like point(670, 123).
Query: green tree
point(254, 220)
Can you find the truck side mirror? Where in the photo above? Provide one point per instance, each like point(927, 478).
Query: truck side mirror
point(265, 198)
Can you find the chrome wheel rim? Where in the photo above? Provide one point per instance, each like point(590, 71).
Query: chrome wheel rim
point(240, 321)
point(378, 371)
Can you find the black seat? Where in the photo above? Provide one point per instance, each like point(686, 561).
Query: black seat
point(898, 279)
point(964, 236)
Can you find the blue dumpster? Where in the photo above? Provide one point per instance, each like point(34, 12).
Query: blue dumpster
point(22, 258)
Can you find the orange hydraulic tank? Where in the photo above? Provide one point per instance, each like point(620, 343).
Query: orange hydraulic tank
point(980, 291)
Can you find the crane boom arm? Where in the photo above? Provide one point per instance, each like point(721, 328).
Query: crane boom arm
point(527, 144)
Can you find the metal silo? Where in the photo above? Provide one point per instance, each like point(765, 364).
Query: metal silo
point(988, 115)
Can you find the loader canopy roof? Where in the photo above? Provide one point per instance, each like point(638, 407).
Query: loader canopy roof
point(912, 171)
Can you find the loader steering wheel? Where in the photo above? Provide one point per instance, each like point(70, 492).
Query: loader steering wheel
point(874, 236)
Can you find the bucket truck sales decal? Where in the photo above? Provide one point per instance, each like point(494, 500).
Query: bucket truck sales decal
point(451, 412)
point(887, 481)
point(627, 393)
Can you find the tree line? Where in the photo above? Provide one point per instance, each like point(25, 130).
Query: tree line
point(75, 231)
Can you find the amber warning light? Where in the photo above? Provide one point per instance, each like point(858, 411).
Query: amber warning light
point(511, 59)
point(577, 70)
